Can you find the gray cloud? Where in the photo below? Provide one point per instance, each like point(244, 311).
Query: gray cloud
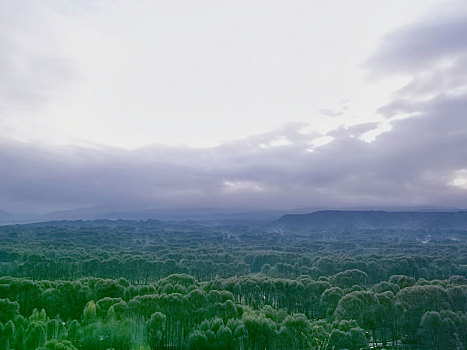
point(410, 165)
point(29, 76)
point(441, 34)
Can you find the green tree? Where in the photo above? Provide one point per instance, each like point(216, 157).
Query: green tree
point(156, 329)
point(197, 340)
point(8, 310)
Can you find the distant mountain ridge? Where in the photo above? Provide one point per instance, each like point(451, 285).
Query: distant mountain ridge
point(163, 214)
point(246, 216)
point(336, 219)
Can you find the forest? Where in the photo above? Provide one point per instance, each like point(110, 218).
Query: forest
point(140, 285)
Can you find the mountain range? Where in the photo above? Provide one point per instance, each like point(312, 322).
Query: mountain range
point(336, 219)
point(295, 219)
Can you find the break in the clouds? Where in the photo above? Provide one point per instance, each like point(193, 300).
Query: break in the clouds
point(412, 150)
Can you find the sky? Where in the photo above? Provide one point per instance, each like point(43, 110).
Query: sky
point(239, 105)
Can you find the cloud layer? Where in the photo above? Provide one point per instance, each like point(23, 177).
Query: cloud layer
point(418, 156)
point(416, 163)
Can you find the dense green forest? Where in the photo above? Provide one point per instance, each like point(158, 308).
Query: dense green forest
point(183, 285)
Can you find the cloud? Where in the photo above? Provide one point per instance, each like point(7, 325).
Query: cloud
point(128, 74)
point(413, 164)
point(436, 38)
point(330, 113)
point(418, 156)
point(432, 52)
point(31, 65)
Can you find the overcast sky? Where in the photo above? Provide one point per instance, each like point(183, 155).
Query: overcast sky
point(232, 104)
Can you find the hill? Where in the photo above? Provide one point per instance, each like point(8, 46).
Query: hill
point(336, 219)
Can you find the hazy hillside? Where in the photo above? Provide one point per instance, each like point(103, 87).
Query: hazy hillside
point(335, 219)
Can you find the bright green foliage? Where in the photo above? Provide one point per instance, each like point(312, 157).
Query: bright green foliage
point(295, 332)
point(90, 312)
point(353, 339)
point(105, 335)
point(156, 327)
point(7, 334)
point(197, 341)
point(35, 335)
point(144, 286)
point(74, 331)
point(8, 310)
point(58, 345)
